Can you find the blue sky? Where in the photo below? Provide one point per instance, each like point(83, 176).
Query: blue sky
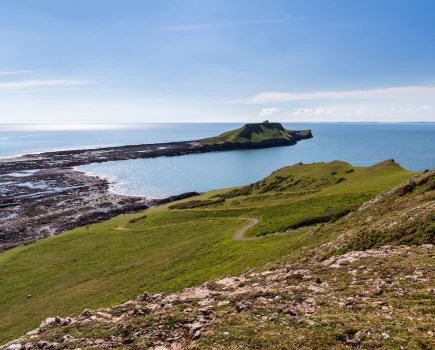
point(216, 61)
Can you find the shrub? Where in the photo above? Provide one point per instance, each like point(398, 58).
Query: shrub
point(196, 204)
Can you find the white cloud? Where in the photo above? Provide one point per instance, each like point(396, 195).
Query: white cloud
point(407, 92)
point(25, 85)
point(15, 72)
point(311, 111)
point(268, 111)
point(196, 26)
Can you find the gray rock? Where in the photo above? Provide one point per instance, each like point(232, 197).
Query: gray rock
point(355, 343)
point(243, 305)
point(15, 346)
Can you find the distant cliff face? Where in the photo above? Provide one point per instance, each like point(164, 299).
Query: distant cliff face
point(261, 134)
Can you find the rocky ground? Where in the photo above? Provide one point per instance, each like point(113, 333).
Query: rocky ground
point(45, 202)
point(375, 299)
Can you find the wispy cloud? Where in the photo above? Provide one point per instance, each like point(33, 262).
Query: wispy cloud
point(269, 111)
point(407, 92)
point(11, 72)
point(25, 85)
point(311, 111)
point(196, 26)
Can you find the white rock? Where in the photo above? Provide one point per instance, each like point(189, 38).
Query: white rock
point(15, 346)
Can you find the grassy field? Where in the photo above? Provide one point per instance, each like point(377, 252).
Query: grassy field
point(164, 249)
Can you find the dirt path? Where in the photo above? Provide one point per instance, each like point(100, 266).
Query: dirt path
point(238, 236)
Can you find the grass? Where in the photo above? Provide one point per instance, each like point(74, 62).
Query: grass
point(169, 249)
point(254, 133)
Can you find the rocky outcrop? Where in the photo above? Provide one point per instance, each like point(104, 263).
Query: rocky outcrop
point(378, 298)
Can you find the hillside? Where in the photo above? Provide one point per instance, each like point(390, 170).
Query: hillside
point(259, 133)
point(313, 298)
point(182, 244)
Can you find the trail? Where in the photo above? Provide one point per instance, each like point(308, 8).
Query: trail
point(238, 236)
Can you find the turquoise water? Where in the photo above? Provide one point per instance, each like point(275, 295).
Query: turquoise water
point(411, 145)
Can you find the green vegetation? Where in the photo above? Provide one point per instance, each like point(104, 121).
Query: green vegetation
point(169, 249)
point(254, 133)
point(404, 215)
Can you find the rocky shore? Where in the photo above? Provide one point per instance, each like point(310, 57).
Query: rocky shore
point(42, 194)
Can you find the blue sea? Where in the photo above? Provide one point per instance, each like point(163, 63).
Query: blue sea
point(410, 144)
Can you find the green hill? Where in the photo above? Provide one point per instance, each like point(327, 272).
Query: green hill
point(182, 244)
point(259, 133)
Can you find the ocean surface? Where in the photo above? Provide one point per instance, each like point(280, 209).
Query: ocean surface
point(410, 144)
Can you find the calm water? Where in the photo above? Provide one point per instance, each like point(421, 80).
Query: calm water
point(411, 145)
point(18, 139)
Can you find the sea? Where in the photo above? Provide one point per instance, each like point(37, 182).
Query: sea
point(412, 145)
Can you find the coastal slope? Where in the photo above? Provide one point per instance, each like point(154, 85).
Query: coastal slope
point(318, 296)
point(183, 243)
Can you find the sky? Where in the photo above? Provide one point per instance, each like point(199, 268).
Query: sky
point(107, 61)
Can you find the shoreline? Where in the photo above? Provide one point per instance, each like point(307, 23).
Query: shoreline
point(44, 194)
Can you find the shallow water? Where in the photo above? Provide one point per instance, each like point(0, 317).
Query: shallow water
point(411, 145)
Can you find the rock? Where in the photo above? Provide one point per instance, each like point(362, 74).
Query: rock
point(197, 334)
point(29, 346)
point(85, 313)
point(15, 346)
point(316, 289)
point(240, 306)
point(145, 297)
point(158, 296)
point(355, 343)
point(290, 312)
point(50, 321)
point(206, 311)
point(32, 332)
point(195, 327)
point(42, 344)
point(140, 310)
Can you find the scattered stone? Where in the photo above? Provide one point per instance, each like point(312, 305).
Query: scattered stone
point(283, 297)
point(243, 305)
point(355, 343)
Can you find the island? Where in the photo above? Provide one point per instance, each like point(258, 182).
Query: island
point(258, 135)
point(43, 194)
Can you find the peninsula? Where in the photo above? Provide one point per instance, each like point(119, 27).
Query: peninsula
point(42, 194)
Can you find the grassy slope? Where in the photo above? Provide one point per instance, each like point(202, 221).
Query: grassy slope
point(105, 266)
point(252, 133)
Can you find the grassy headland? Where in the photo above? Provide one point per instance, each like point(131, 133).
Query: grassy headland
point(258, 133)
point(181, 244)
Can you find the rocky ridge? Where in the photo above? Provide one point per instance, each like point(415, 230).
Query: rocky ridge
point(378, 298)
